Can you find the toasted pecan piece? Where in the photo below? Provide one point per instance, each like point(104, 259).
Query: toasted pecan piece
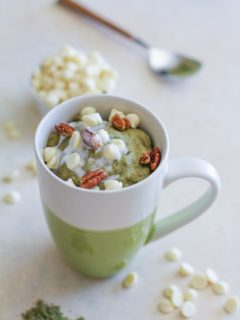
point(145, 158)
point(120, 123)
point(64, 129)
point(155, 155)
point(151, 158)
point(92, 178)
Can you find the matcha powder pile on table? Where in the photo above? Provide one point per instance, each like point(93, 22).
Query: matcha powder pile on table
point(43, 311)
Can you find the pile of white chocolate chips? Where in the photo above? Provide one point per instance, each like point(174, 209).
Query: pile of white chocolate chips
point(186, 300)
point(72, 73)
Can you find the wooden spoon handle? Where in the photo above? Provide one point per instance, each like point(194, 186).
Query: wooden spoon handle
point(77, 7)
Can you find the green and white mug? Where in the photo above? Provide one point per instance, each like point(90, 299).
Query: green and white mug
point(99, 232)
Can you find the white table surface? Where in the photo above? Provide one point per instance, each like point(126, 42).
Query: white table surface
point(202, 117)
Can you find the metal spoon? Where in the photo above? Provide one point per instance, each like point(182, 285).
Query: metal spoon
point(161, 61)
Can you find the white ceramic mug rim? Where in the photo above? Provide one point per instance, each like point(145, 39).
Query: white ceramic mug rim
point(164, 156)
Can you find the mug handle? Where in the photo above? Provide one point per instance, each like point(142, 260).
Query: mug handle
point(185, 168)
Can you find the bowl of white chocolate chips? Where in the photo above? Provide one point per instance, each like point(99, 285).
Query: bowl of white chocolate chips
point(70, 73)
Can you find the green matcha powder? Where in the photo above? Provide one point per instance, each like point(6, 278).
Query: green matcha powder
point(43, 311)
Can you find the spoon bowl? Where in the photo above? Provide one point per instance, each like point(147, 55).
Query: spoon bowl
point(166, 63)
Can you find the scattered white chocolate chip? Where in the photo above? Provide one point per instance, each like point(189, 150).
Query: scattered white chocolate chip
point(11, 176)
point(130, 280)
point(185, 269)
point(232, 305)
point(177, 298)
point(168, 291)
point(165, 306)
point(12, 197)
point(88, 110)
point(91, 120)
point(120, 144)
point(111, 152)
point(173, 254)
point(11, 130)
point(72, 160)
point(112, 184)
point(75, 139)
point(113, 112)
point(211, 276)
point(220, 287)
point(31, 166)
point(190, 295)
point(8, 125)
point(133, 119)
point(188, 309)
point(104, 136)
point(199, 281)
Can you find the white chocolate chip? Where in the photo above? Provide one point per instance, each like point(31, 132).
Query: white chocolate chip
point(70, 182)
point(88, 110)
point(53, 98)
point(72, 160)
point(220, 287)
point(190, 295)
point(113, 112)
point(134, 120)
point(112, 184)
point(49, 153)
point(177, 298)
point(31, 166)
point(111, 152)
point(75, 139)
point(53, 162)
point(165, 306)
point(211, 276)
point(232, 305)
point(91, 120)
point(168, 291)
point(173, 254)
point(89, 84)
point(12, 197)
point(188, 309)
point(130, 280)
point(11, 176)
point(104, 136)
point(199, 281)
point(185, 269)
point(95, 57)
point(8, 125)
point(121, 145)
point(13, 134)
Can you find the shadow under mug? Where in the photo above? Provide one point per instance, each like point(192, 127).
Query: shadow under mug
point(99, 232)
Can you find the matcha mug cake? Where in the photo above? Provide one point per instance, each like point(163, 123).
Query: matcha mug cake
point(102, 164)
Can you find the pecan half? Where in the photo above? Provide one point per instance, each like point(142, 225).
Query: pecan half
point(64, 129)
point(155, 155)
point(91, 138)
point(145, 158)
point(151, 158)
point(92, 178)
point(120, 123)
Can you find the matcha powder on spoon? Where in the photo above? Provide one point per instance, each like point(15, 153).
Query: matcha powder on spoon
point(43, 311)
